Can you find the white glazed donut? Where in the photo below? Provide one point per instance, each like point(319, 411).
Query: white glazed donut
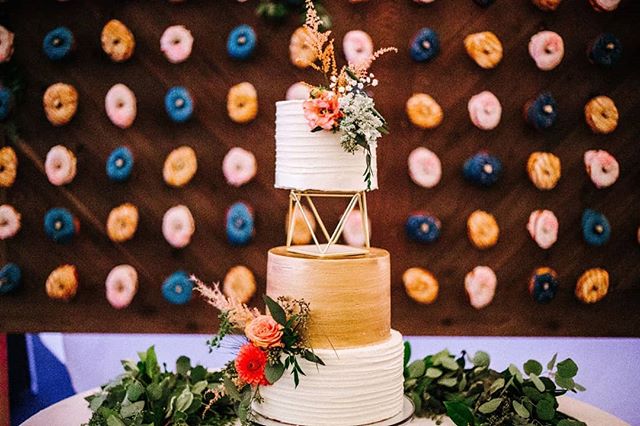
point(120, 104)
point(298, 91)
point(602, 168)
point(425, 168)
point(357, 46)
point(121, 286)
point(239, 166)
point(353, 233)
point(178, 226)
point(60, 165)
point(485, 110)
point(176, 43)
point(9, 221)
point(480, 285)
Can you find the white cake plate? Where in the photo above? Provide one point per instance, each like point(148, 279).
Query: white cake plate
point(401, 418)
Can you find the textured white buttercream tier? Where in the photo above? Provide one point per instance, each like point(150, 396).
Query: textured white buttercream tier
point(356, 387)
point(308, 160)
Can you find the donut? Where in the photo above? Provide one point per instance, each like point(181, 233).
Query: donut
point(484, 48)
point(120, 104)
point(301, 53)
point(121, 286)
point(7, 102)
point(178, 226)
point(422, 228)
point(8, 166)
point(241, 42)
point(593, 285)
point(596, 229)
point(180, 166)
point(546, 48)
point(604, 5)
point(240, 224)
point(10, 278)
point(60, 103)
point(605, 50)
point(353, 232)
point(543, 228)
point(120, 164)
point(179, 104)
point(421, 285)
point(239, 166)
point(60, 225)
point(242, 103)
point(239, 284)
point(482, 229)
point(298, 91)
point(177, 288)
point(543, 285)
point(423, 1)
point(117, 41)
point(9, 221)
point(425, 45)
point(546, 5)
point(6, 44)
point(602, 168)
point(485, 110)
point(58, 43)
point(62, 283)
point(601, 115)
point(544, 170)
point(122, 223)
point(60, 165)
point(358, 48)
point(480, 286)
point(541, 112)
point(483, 169)
point(176, 43)
point(423, 111)
point(484, 3)
point(301, 231)
point(425, 168)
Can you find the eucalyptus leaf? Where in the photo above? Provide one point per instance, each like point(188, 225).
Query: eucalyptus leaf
point(579, 387)
point(416, 369)
point(112, 420)
point(407, 353)
point(552, 363)
point(132, 409)
point(449, 363)
point(183, 365)
point(97, 401)
point(198, 387)
point(275, 310)
point(537, 382)
point(520, 410)
point(497, 385)
point(231, 389)
point(433, 373)
point(459, 413)
point(184, 400)
point(135, 391)
point(154, 390)
point(567, 368)
point(565, 383)
point(273, 372)
point(448, 382)
point(532, 367)
point(490, 406)
point(545, 410)
point(481, 359)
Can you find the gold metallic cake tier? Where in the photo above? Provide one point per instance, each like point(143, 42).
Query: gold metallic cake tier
point(350, 297)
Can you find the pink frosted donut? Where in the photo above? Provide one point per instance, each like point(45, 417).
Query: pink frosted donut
point(60, 165)
point(6, 44)
point(298, 91)
point(9, 221)
point(485, 110)
point(480, 285)
point(357, 46)
point(178, 226)
point(604, 5)
point(353, 233)
point(120, 104)
point(602, 168)
point(543, 227)
point(239, 166)
point(425, 168)
point(121, 286)
point(547, 49)
point(176, 43)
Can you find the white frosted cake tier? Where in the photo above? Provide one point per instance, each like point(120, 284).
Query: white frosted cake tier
point(356, 387)
point(308, 160)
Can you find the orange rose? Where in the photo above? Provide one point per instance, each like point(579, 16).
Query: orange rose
point(264, 332)
point(322, 111)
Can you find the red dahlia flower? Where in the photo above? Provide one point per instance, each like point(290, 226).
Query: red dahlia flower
point(250, 364)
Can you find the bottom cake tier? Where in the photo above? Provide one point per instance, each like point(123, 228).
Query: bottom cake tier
point(357, 386)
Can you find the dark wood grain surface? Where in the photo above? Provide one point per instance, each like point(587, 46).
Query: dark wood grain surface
point(452, 78)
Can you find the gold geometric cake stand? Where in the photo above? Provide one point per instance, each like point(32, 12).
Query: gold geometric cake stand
point(327, 247)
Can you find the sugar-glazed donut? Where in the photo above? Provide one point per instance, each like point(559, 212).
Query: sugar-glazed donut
point(480, 286)
point(58, 43)
point(120, 164)
point(543, 227)
point(60, 165)
point(353, 232)
point(358, 47)
point(301, 53)
point(176, 43)
point(239, 166)
point(10, 278)
point(8, 166)
point(421, 285)
point(177, 288)
point(240, 224)
point(485, 110)
point(121, 286)
point(241, 42)
point(423, 111)
point(601, 114)
point(593, 285)
point(60, 225)
point(242, 103)
point(180, 166)
point(239, 284)
point(301, 231)
point(544, 170)
point(117, 41)
point(62, 283)
point(602, 168)
point(60, 103)
point(425, 168)
point(482, 229)
point(122, 223)
point(484, 48)
point(178, 226)
point(9, 221)
point(120, 104)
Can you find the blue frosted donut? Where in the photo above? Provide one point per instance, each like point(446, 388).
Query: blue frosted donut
point(425, 45)
point(606, 50)
point(543, 285)
point(177, 288)
point(422, 228)
point(241, 42)
point(595, 228)
point(484, 3)
point(120, 164)
point(58, 43)
point(60, 225)
point(482, 169)
point(10, 278)
point(6, 102)
point(179, 104)
point(541, 112)
point(240, 224)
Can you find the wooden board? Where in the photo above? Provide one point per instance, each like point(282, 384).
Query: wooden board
point(452, 78)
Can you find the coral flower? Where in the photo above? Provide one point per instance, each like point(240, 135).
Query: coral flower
point(322, 111)
point(250, 364)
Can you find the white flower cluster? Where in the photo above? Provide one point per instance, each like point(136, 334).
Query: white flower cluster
point(353, 84)
point(360, 121)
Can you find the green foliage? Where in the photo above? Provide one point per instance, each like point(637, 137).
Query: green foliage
point(278, 10)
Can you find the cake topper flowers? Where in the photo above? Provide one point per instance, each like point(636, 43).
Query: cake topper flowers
point(343, 105)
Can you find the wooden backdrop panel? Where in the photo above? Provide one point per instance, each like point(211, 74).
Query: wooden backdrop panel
point(452, 78)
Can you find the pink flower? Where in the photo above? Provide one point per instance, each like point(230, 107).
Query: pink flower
point(264, 332)
point(322, 111)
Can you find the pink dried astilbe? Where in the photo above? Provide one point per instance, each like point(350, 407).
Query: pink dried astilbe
point(238, 313)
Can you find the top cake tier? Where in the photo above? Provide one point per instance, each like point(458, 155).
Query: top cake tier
point(315, 161)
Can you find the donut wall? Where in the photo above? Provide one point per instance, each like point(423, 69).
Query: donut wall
point(451, 78)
